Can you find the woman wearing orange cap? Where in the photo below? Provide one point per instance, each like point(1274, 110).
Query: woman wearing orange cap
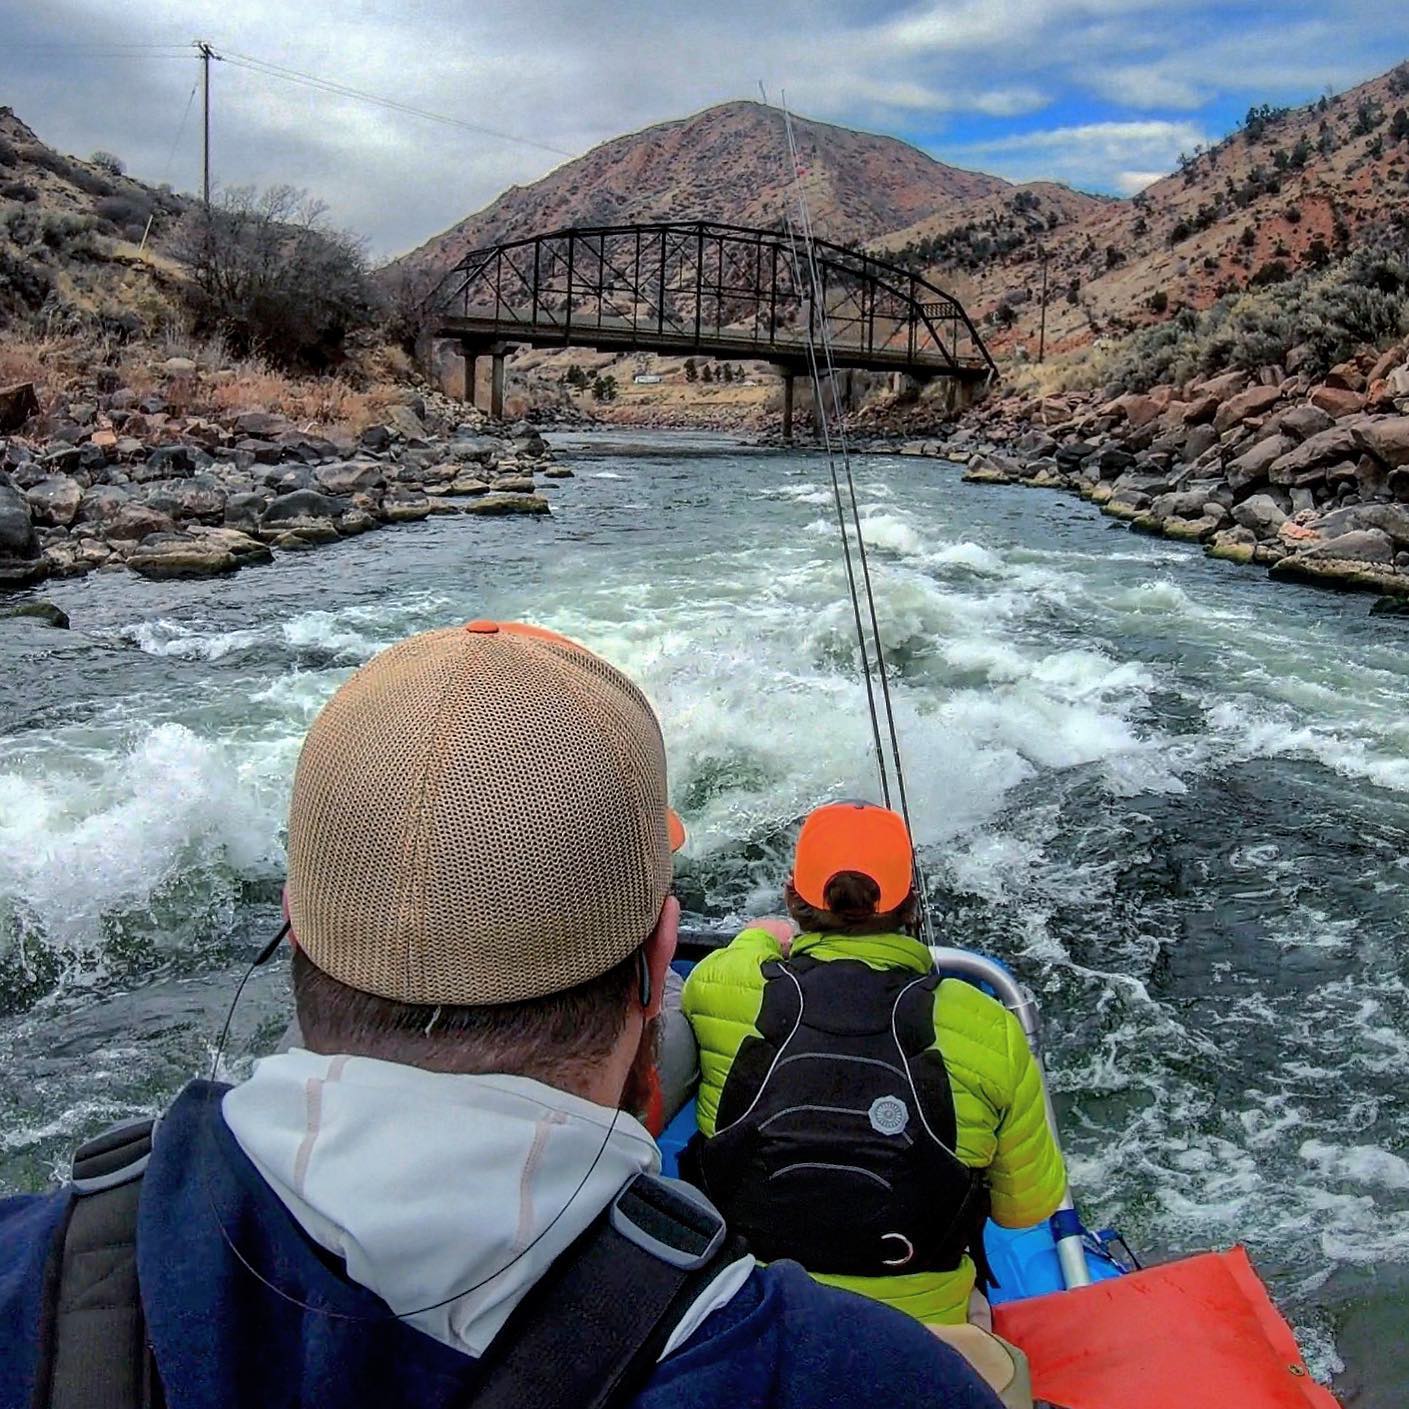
point(857, 1113)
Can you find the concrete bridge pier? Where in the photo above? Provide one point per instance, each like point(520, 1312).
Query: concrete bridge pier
point(788, 407)
point(470, 353)
point(496, 383)
point(472, 350)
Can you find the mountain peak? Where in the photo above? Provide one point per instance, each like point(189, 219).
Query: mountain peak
point(726, 162)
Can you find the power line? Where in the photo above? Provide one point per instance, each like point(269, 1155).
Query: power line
point(327, 85)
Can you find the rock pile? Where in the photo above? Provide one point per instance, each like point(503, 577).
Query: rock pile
point(1311, 481)
point(120, 483)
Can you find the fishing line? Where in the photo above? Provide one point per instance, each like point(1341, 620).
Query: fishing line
point(259, 961)
point(820, 312)
point(820, 404)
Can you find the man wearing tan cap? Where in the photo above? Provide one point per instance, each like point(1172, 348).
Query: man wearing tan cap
point(442, 1197)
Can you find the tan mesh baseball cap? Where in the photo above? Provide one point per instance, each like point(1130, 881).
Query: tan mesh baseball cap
point(479, 816)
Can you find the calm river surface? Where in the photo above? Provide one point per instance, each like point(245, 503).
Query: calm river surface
point(1173, 796)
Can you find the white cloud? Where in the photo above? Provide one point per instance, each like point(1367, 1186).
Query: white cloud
point(571, 73)
point(1128, 183)
point(1123, 156)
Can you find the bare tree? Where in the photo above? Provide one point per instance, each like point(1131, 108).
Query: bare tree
point(273, 277)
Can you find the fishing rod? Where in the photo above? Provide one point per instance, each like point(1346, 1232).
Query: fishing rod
point(818, 312)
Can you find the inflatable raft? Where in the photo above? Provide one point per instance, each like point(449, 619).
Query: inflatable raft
point(1099, 1331)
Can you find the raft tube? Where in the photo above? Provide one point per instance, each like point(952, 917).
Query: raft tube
point(1200, 1333)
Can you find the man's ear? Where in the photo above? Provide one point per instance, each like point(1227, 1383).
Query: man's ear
point(660, 950)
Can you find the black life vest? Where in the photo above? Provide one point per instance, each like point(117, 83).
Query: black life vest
point(834, 1143)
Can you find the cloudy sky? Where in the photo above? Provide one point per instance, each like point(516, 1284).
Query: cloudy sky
point(1103, 94)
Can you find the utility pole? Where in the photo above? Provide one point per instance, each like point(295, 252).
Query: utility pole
point(1042, 336)
point(206, 54)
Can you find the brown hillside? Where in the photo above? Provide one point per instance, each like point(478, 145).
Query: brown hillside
point(727, 163)
point(1287, 191)
point(71, 237)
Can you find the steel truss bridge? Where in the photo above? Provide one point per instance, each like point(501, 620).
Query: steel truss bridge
point(706, 289)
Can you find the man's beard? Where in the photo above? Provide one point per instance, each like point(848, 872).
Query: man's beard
point(642, 1080)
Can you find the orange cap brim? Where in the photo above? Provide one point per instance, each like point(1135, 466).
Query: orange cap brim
point(854, 836)
point(675, 829)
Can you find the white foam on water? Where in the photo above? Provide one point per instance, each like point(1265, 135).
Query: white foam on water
point(128, 826)
point(1366, 1165)
point(164, 637)
point(1256, 729)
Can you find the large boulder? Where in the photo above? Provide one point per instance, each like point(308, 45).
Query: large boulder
point(1389, 439)
point(302, 504)
point(18, 403)
point(403, 505)
point(1111, 462)
point(1337, 401)
point(989, 469)
point(1199, 441)
point(135, 520)
point(1306, 465)
point(1070, 456)
point(1223, 386)
point(1198, 530)
point(284, 479)
point(243, 547)
point(480, 448)
point(532, 446)
point(1255, 401)
point(469, 485)
point(349, 477)
point(508, 504)
point(1181, 504)
point(1390, 519)
point(310, 449)
point(46, 613)
point(1036, 444)
point(512, 484)
point(100, 503)
point(1360, 545)
point(17, 538)
point(1302, 422)
point(1252, 466)
point(375, 439)
point(261, 424)
point(1347, 574)
point(66, 460)
point(54, 501)
point(445, 472)
point(165, 462)
point(1233, 545)
point(202, 497)
point(243, 511)
point(176, 556)
point(403, 421)
point(1200, 411)
point(1261, 514)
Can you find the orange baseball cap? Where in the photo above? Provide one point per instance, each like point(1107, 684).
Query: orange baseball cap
point(854, 836)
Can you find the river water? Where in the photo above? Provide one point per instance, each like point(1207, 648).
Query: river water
point(1173, 795)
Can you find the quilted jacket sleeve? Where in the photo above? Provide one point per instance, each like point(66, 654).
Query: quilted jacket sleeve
point(722, 997)
point(1027, 1177)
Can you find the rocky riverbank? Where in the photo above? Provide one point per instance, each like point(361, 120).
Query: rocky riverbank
point(122, 482)
point(1310, 480)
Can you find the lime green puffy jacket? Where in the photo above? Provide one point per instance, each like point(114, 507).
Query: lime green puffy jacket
point(998, 1109)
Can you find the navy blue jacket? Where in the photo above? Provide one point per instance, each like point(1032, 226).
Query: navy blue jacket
point(223, 1339)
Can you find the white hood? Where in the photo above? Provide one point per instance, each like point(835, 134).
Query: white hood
point(426, 1184)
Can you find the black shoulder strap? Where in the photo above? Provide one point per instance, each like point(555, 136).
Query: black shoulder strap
point(93, 1352)
point(591, 1330)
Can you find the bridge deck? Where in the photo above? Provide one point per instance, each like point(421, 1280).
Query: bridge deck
point(624, 336)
